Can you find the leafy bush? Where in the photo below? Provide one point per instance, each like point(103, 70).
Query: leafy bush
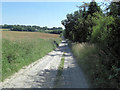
point(102, 63)
point(94, 63)
point(101, 27)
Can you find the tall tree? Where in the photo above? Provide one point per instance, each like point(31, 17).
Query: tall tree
point(114, 9)
point(93, 7)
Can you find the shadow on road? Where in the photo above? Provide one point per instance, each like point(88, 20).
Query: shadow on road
point(46, 78)
point(71, 77)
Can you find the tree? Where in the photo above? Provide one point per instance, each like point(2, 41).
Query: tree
point(114, 9)
point(93, 7)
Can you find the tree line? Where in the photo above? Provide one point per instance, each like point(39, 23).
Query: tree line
point(93, 25)
point(29, 28)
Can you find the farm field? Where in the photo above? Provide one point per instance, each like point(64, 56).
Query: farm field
point(22, 48)
point(60, 45)
point(16, 35)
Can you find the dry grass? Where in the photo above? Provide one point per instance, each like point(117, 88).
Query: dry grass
point(93, 62)
point(84, 49)
point(16, 35)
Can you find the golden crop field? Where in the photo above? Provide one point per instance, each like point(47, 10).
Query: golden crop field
point(16, 35)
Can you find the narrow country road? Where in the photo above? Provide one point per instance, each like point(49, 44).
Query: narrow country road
point(42, 73)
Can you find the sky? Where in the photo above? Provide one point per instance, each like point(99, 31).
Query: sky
point(48, 14)
point(40, 13)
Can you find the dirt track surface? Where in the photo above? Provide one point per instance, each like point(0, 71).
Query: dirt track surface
point(42, 73)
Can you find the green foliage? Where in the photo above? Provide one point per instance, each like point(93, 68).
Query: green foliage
point(94, 63)
point(16, 54)
point(114, 9)
point(93, 26)
point(32, 28)
point(77, 25)
point(101, 29)
point(54, 31)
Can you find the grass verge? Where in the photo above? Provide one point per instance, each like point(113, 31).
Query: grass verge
point(16, 54)
point(93, 62)
point(59, 74)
